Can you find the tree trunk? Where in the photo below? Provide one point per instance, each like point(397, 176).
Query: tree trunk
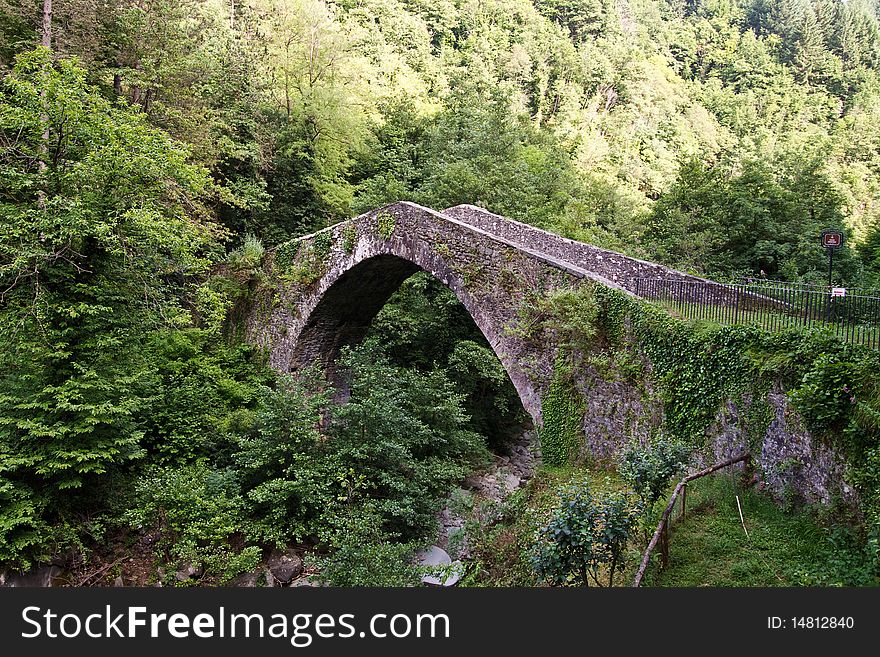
point(47, 24)
point(46, 41)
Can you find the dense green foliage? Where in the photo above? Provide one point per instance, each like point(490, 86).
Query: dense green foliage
point(157, 140)
point(718, 136)
point(100, 234)
point(562, 414)
point(423, 326)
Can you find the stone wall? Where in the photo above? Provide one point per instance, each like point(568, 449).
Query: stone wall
point(791, 464)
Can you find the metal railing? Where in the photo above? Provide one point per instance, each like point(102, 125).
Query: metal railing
point(852, 314)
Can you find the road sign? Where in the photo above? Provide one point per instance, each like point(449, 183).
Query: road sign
point(832, 239)
point(838, 291)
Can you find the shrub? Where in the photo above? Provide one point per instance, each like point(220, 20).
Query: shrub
point(585, 539)
point(249, 256)
point(363, 555)
point(649, 470)
point(197, 511)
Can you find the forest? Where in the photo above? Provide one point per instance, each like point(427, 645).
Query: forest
point(153, 151)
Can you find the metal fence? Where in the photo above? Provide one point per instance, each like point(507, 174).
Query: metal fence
point(852, 314)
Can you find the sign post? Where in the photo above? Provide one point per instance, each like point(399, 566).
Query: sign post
point(831, 241)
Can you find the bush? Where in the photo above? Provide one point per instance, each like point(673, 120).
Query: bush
point(363, 555)
point(585, 539)
point(649, 470)
point(406, 433)
point(400, 442)
point(286, 486)
point(249, 256)
point(198, 512)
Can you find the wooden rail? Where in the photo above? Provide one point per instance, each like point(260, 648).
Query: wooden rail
point(661, 535)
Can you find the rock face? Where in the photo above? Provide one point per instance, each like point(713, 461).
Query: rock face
point(789, 462)
point(615, 414)
point(188, 572)
point(41, 576)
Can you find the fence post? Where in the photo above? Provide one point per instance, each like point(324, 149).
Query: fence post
point(664, 545)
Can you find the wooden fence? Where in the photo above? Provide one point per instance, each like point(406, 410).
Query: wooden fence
point(661, 535)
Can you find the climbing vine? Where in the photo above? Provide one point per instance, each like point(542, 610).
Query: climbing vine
point(321, 244)
point(349, 238)
point(562, 410)
point(443, 250)
point(695, 368)
point(302, 262)
point(612, 316)
point(286, 253)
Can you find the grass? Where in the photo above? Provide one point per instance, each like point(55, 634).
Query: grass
point(784, 547)
point(707, 547)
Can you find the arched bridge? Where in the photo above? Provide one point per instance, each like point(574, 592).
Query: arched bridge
point(328, 286)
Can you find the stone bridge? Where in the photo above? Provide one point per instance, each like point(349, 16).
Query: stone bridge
point(328, 286)
point(322, 291)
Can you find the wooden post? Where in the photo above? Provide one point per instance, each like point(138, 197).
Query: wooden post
point(684, 494)
point(664, 545)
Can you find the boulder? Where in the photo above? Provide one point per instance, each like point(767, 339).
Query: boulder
point(285, 566)
point(39, 577)
point(189, 571)
point(445, 573)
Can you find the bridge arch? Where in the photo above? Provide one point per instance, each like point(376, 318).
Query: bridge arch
point(340, 309)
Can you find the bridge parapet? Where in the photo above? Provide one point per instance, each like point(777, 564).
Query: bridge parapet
point(616, 267)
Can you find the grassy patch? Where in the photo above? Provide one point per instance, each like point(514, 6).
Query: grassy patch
point(708, 546)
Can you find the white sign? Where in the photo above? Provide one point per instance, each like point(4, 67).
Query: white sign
point(838, 291)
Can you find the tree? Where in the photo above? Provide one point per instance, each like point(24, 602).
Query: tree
point(46, 33)
point(754, 219)
point(95, 247)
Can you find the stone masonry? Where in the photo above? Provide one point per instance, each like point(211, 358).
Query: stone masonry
point(492, 264)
